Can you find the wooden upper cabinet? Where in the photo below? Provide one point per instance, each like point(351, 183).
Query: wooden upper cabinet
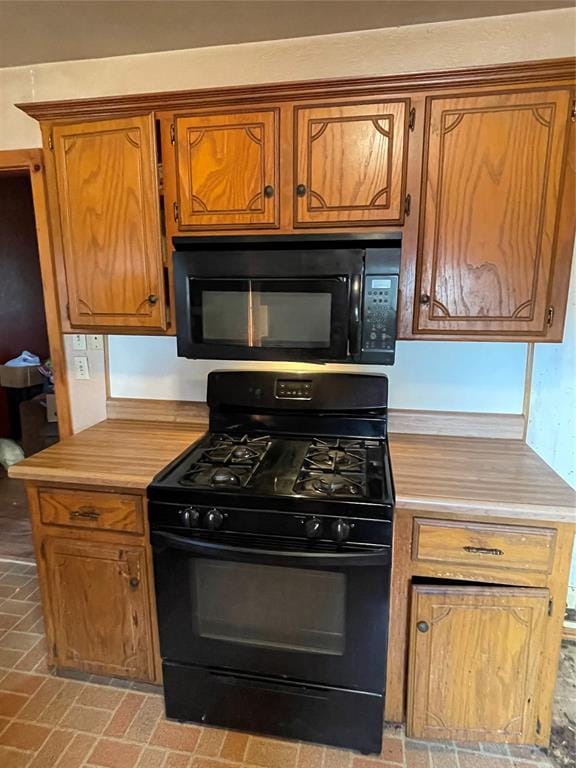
point(492, 181)
point(109, 209)
point(99, 607)
point(227, 170)
point(349, 164)
point(475, 663)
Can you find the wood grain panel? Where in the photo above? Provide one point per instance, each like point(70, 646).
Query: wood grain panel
point(475, 663)
point(227, 165)
point(350, 159)
point(98, 595)
point(484, 545)
point(91, 509)
point(108, 199)
point(493, 172)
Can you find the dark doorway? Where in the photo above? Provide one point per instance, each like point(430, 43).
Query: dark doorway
point(23, 410)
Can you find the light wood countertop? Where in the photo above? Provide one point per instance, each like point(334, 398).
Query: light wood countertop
point(461, 475)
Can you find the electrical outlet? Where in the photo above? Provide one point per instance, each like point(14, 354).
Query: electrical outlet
point(78, 342)
point(81, 370)
point(95, 341)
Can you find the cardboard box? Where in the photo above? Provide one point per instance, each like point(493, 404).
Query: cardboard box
point(51, 414)
point(21, 376)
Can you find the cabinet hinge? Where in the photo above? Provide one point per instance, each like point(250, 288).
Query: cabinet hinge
point(68, 312)
point(50, 141)
point(550, 316)
point(172, 133)
point(412, 119)
point(538, 726)
point(550, 607)
point(407, 204)
point(176, 212)
point(573, 113)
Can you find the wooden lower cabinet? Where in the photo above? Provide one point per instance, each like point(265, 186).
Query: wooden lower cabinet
point(475, 662)
point(98, 600)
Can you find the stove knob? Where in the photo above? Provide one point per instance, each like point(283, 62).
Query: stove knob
point(340, 530)
point(213, 519)
point(313, 528)
point(190, 517)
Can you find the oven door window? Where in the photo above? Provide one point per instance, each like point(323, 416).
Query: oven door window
point(270, 607)
point(271, 314)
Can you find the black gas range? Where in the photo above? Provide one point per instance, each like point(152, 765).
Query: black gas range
point(271, 540)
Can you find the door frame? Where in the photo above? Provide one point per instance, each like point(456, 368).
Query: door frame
point(32, 161)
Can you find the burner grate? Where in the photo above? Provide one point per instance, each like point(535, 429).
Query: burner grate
point(227, 461)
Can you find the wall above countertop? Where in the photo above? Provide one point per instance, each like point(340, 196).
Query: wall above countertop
point(435, 376)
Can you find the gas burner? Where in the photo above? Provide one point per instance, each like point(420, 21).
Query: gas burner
point(208, 476)
point(329, 484)
point(335, 459)
point(227, 449)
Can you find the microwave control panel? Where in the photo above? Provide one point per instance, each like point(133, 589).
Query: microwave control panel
point(379, 326)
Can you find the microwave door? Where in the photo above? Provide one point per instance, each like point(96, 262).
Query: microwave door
point(267, 318)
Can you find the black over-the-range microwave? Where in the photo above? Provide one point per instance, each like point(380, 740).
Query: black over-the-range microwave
point(315, 298)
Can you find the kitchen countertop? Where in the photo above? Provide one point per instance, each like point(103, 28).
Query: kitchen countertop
point(477, 476)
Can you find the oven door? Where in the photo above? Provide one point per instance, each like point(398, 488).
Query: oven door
point(319, 617)
point(268, 318)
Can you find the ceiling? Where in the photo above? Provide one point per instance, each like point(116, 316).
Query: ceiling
point(36, 31)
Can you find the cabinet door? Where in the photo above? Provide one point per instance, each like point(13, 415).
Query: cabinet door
point(98, 596)
point(110, 215)
point(475, 658)
point(492, 178)
point(227, 169)
point(350, 164)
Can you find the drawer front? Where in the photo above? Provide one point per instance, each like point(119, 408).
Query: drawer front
point(487, 545)
point(91, 509)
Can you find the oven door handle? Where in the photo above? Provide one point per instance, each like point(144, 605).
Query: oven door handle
point(163, 540)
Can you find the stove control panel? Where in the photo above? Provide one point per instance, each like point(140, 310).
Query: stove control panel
point(316, 527)
point(293, 389)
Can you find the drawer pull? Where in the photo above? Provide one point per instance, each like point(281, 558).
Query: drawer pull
point(483, 551)
point(85, 513)
point(134, 582)
point(422, 626)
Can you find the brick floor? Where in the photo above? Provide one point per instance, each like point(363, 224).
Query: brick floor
point(88, 722)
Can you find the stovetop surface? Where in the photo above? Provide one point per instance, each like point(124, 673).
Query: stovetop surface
point(246, 470)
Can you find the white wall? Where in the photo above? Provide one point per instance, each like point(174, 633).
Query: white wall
point(474, 42)
point(444, 376)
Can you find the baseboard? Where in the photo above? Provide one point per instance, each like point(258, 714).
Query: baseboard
point(494, 425)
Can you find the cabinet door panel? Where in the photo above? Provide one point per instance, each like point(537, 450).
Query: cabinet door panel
point(110, 214)
point(475, 658)
point(227, 170)
point(351, 161)
point(100, 609)
point(491, 185)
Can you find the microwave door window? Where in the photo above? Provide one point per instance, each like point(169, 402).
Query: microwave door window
point(267, 315)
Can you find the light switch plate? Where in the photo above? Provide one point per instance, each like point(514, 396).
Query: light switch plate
point(78, 342)
point(81, 370)
point(95, 341)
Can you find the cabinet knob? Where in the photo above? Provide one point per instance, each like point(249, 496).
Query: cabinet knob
point(301, 190)
point(268, 190)
point(134, 582)
point(152, 299)
point(422, 626)
point(424, 298)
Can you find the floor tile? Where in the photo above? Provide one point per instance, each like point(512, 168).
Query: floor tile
point(271, 753)
point(20, 641)
point(145, 721)
point(151, 757)
point(174, 736)
point(102, 698)
point(310, 756)
point(337, 758)
point(114, 754)
point(77, 751)
point(177, 760)
point(124, 715)
point(24, 735)
point(11, 703)
point(52, 749)
point(210, 742)
point(20, 682)
point(234, 746)
point(14, 758)
point(85, 719)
